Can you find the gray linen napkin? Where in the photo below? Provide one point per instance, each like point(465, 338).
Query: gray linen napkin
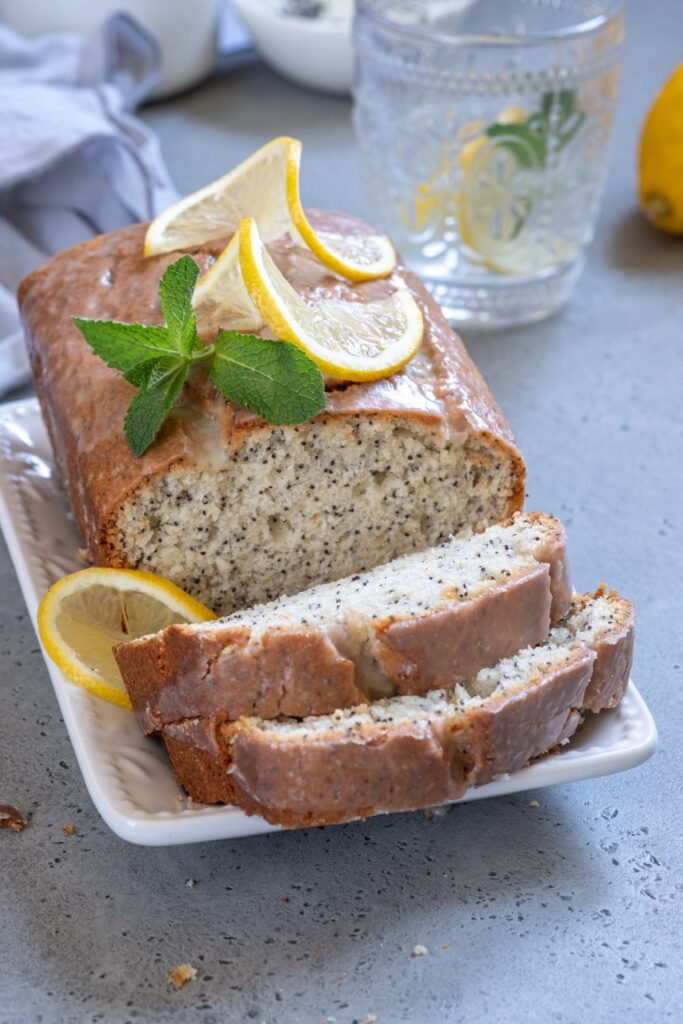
point(74, 162)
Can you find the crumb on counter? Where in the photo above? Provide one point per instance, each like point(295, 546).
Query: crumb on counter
point(69, 830)
point(12, 818)
point(370, 1019)
point(420, 950)
point(534, 803)
point(181, 974)
point(440, 811)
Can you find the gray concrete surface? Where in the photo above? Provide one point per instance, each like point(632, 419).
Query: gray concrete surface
point(566, 912)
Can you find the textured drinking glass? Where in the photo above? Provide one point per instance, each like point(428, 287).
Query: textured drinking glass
point(483, 127)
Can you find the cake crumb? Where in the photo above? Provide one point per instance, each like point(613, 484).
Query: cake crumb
point(12, 818)
point(191, 882)
point(181, 974)
point(420, 950)
point(445, 945)
point(69, 830)
point(534, 803)
point(370, 1019)
point(439, 811)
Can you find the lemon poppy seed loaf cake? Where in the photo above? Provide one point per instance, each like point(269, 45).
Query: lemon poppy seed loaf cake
point(233, 509)
point(406, 752)
point(425, 620)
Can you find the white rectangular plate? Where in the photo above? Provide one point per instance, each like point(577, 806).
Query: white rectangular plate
point(128, 775)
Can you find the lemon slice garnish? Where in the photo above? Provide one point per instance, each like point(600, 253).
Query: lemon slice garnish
point(494, 199)
point(221, 298)
point(358, 257)
point(497, 201)
point(498, 215)
point(84, 615)
point(348, 340)
point(266, 187)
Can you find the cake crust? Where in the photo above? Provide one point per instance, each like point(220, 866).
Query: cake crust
point(417, 764)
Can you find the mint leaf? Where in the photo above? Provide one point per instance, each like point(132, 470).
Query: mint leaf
point(528, 140)
point(150, 407)
point(140, 374)
point(272, 378)
point(571, 118)
point(123, 346)
point(520, 139)
point(175, 298)
point(547, 100)
point(567, 100)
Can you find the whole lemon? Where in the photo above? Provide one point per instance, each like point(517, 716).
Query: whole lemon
point(661, 158)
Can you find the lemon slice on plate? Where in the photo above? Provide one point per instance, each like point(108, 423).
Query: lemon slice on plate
point(84, 615)
point(348, 340)
point(266, 187)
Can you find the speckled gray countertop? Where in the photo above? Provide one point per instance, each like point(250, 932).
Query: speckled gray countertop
point(566, 911)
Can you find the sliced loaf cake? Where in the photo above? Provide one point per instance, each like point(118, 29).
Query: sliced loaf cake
point(423, 621)
point(236, 510)
point(408, 752)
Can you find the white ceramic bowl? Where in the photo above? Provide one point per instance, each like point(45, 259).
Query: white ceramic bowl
point(186, 32)
point(315, 52)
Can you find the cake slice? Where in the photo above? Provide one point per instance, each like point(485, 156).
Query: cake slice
point(407, 752)
point(423, 621)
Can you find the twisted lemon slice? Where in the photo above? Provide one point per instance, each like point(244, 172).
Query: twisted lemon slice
point(348, 340)
point(221, 299)
point(498, 200)
point(266, 187)
point(84, 615)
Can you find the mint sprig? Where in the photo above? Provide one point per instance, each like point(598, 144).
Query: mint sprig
point(274, 379)
point(528, 140)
